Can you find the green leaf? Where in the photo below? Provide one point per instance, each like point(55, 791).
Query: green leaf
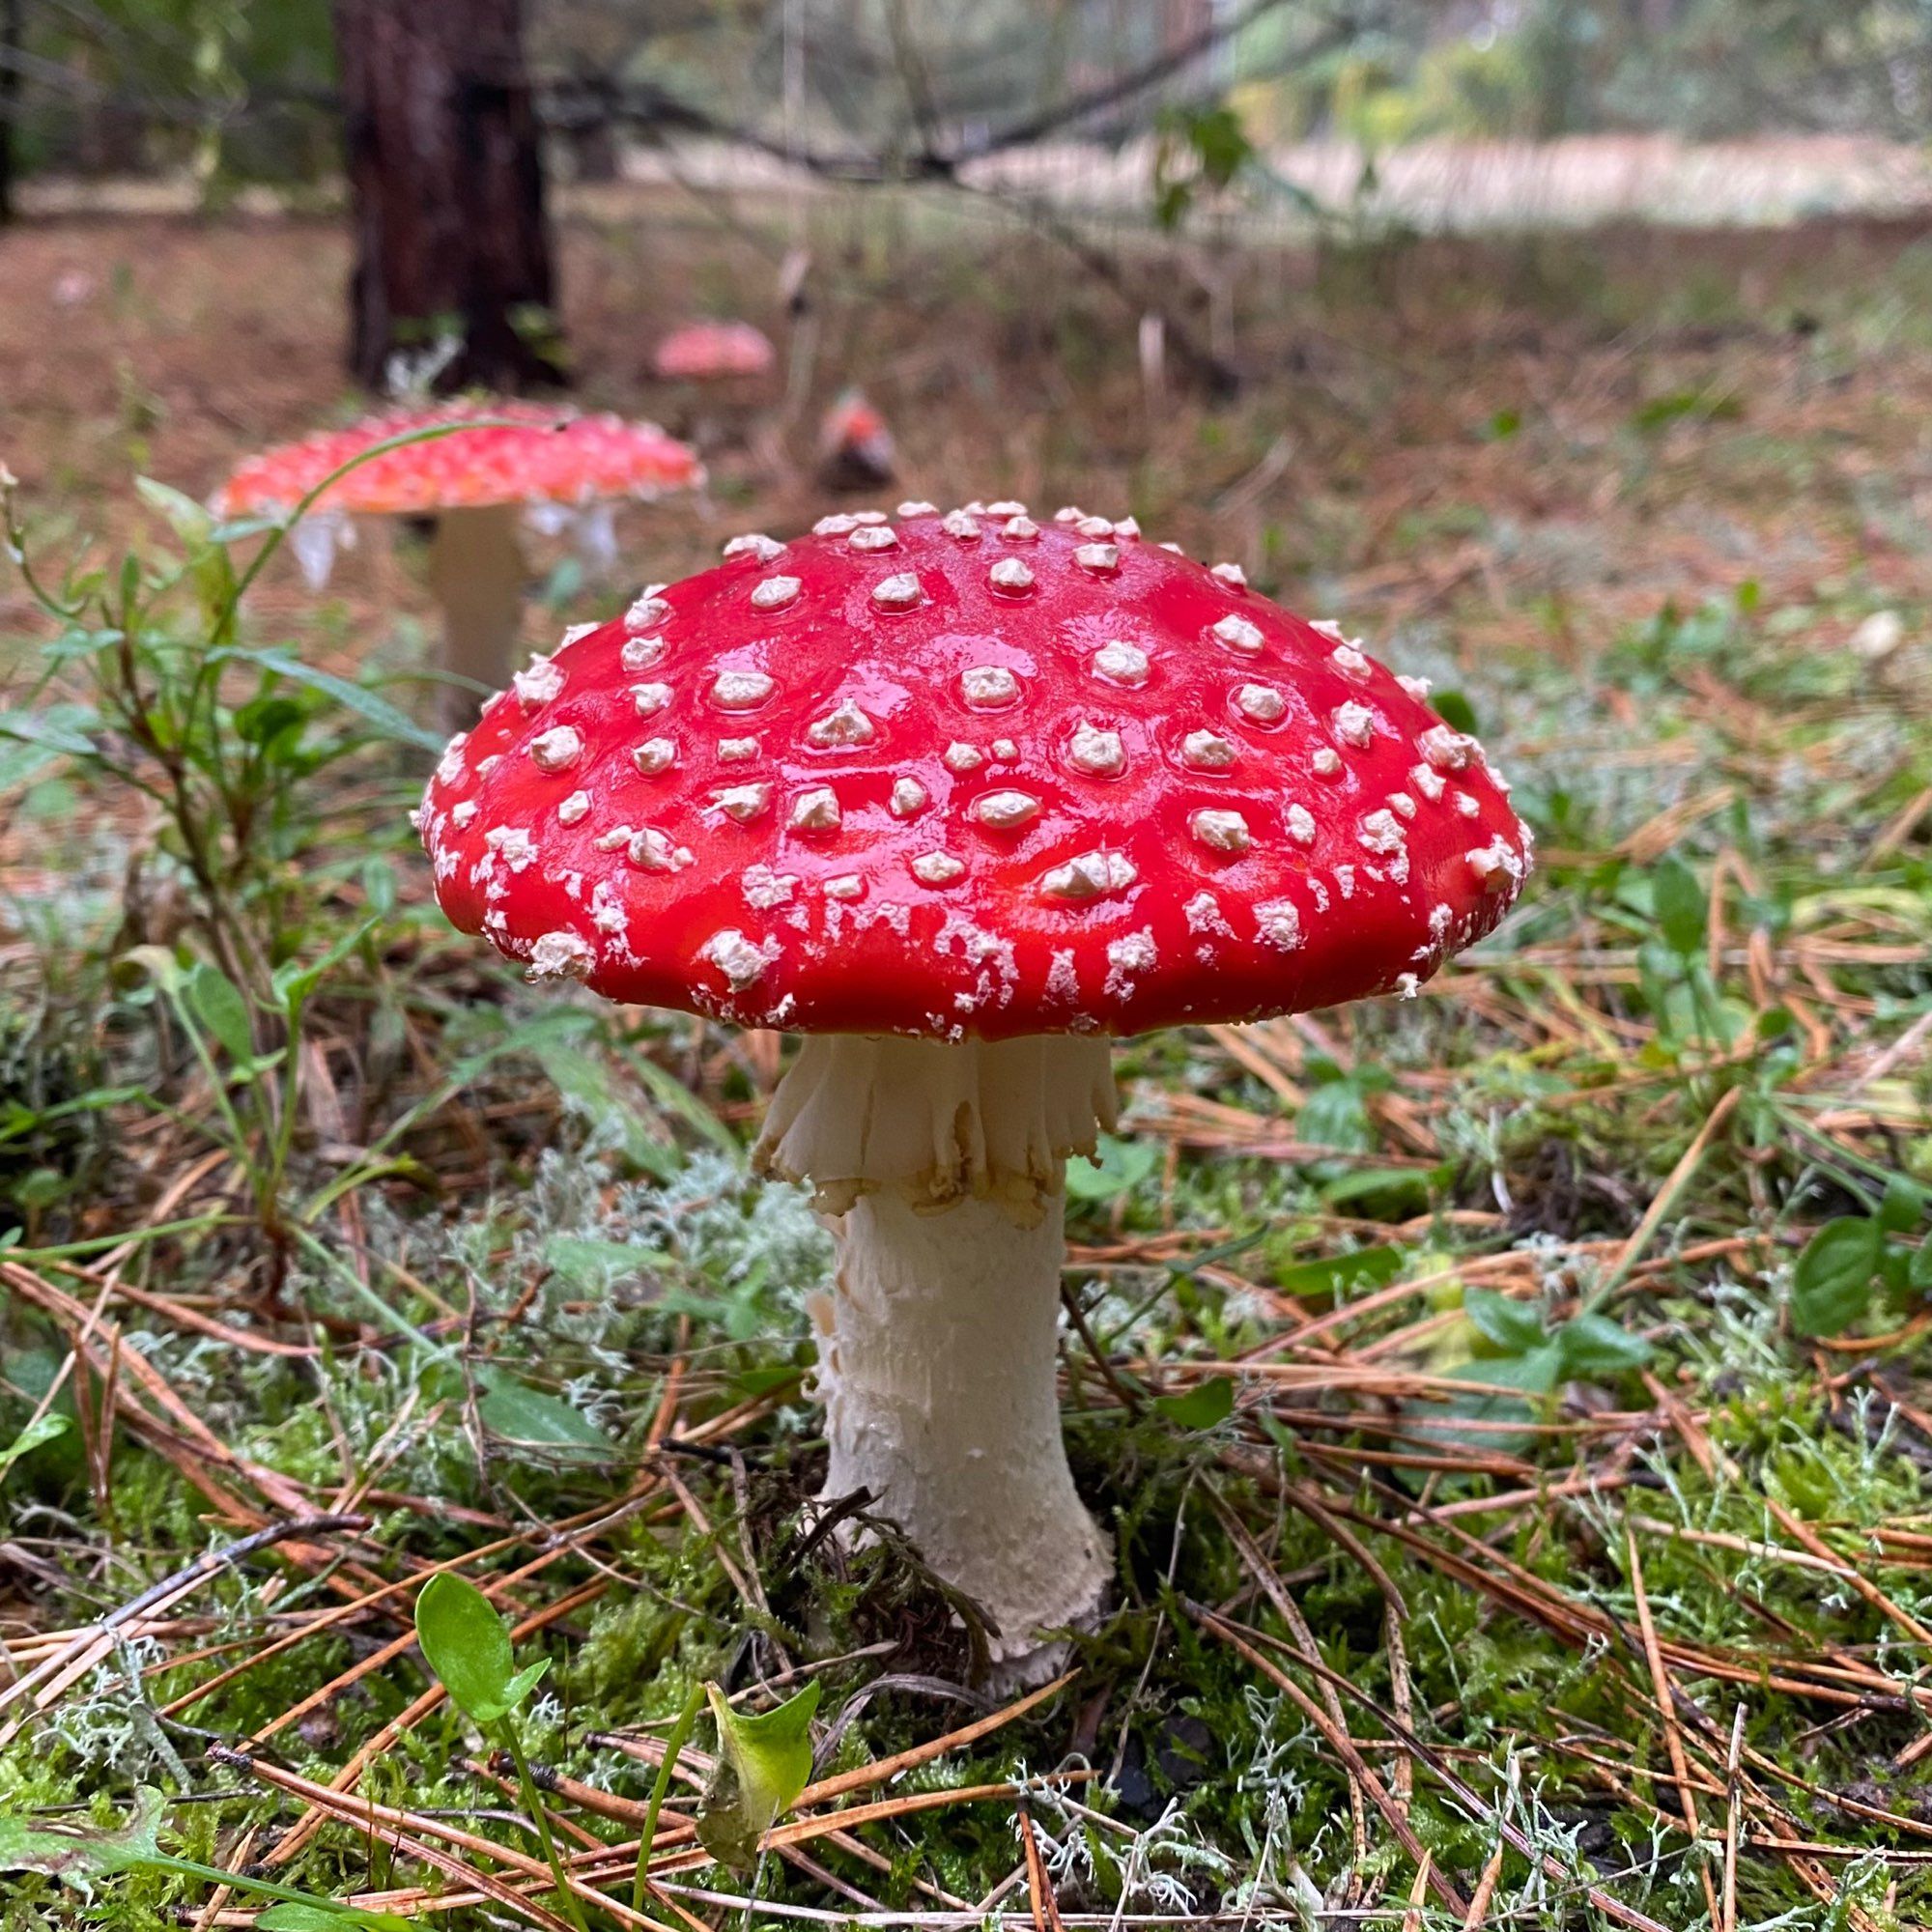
point(662, 1160)
point(207, 562)
point(159, 965)
point(216, 1003)
point(188, 520)
point(1338, 1274)
point(1832, 1283)
point(1707, 406)
point(1116, 1165)
point(1535, 1373)
point(589, 1081)
point(266, 719)
point(762, 1382)
point(466, 1644)
point(1903, 1206)
point(1203, 1406)
point(327, 1916)
point(522, 1414)
point(1384, 1191)
point(75, 1854)
point(371, 707)
point(1514, 1327)
point(599, 1266)
point(1594, 1344)
point(54, 731)
point(763, 1764)
point(83, 1851)
point(379, 886)
point(1682, 909)
point(1221, 142)
point(1334, 1116)
point(1454, 710)
point(1215, 1254)
point(43, 1430)
point(293, 982)
point(1920, 1272)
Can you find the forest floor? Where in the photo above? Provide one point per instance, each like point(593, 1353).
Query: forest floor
point(1514, 1411)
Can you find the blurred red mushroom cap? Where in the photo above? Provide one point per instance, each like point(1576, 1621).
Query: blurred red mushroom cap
point(529, 454)
point(970, 774)
point(701, 351)
point(855, 445)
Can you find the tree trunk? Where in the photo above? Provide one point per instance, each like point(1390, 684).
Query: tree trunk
point(13, 37)
point(446, 175)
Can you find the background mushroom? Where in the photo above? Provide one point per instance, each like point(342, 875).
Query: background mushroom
point(475, 483)
point(958, 797)
point(855, 446)
point(704, 352)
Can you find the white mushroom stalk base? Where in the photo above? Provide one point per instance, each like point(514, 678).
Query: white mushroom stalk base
point(941, 1168)
point(477, 570)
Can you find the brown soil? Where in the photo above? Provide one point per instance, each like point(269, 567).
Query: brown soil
point(1540, 439)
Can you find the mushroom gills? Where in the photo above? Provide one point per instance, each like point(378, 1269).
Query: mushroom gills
point(940, 1167)
point(937, 1121)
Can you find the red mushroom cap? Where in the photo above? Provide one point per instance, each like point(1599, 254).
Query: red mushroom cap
point(969, 775)
point(854, 437)
point(529, 455)
point(703, 350)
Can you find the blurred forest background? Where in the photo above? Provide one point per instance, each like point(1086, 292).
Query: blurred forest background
point(233, 94)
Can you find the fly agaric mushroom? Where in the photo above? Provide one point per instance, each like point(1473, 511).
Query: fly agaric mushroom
point(855, 446)
point(474, 482)
point(705, 352)
point(958, 798)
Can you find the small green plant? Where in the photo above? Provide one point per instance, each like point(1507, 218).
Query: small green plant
point(219, 735)
point(763, 1763)
point(77, 1854)
point(1853, 1258)
point(44, 1429)
point(465, 1642)
point(1199, 149)
point(1522, 1350)
point(227, 739)
point(1117, 1167)
point(675, 1741)
point(1203, 1406)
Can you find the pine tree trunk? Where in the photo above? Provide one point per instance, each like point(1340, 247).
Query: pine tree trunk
point(13, 37)
point(446, 175)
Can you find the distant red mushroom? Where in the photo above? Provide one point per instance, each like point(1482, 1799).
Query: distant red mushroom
point(475, 482)
point(855, 446)
point(702, 352)
point(959, 797)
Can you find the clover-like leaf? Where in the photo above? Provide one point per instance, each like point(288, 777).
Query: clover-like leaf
point(1512, 1327)
point(44, 1429)
point(1592, 1343)
point(763, 1763)
point(1682, 913)
point(1832, 1283)
point(1201, 1406)
point(218, 1005)
point(465, 1642)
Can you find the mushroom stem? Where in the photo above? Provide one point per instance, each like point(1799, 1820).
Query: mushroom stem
point(936, 1364)
point(477, 572)
point(941, 1168)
